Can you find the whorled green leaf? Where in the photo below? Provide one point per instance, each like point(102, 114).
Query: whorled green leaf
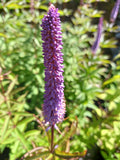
point(22, 139)
point(7, 135)
point(9, 141)
point(67, 155)
point(20, 109)
point(32, 133)
point(16, 146)
point(21, 113)
point(1, 98)
point(5, 127)
point(25, 121)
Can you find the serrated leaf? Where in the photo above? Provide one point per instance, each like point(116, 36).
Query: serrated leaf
point(67, 155)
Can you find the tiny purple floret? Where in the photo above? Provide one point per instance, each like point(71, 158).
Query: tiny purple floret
point(54, 104)
point(115, 11)
point(99, 33)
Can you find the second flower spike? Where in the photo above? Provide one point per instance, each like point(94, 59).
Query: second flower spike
point(99, 33)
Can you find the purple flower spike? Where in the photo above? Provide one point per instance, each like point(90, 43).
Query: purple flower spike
point(54, 104)
point(115, 11)
point(99, 32)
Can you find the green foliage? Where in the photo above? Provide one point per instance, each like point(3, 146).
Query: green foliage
point(92, 89)
point(14, 121)
point(23, 45)
point(83, 71)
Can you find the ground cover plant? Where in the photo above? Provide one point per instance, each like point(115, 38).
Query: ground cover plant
point(89, 109)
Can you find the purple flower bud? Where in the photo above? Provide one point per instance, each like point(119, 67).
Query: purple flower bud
point(99, 32)
point(114, 12)
point(54, 104)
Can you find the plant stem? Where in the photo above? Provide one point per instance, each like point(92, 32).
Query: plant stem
point(52, 138)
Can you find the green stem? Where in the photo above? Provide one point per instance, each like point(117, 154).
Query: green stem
point(52, 138)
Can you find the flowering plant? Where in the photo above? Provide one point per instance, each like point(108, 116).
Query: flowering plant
point(54, 103)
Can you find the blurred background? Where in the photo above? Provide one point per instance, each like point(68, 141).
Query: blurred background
point(92, 81)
